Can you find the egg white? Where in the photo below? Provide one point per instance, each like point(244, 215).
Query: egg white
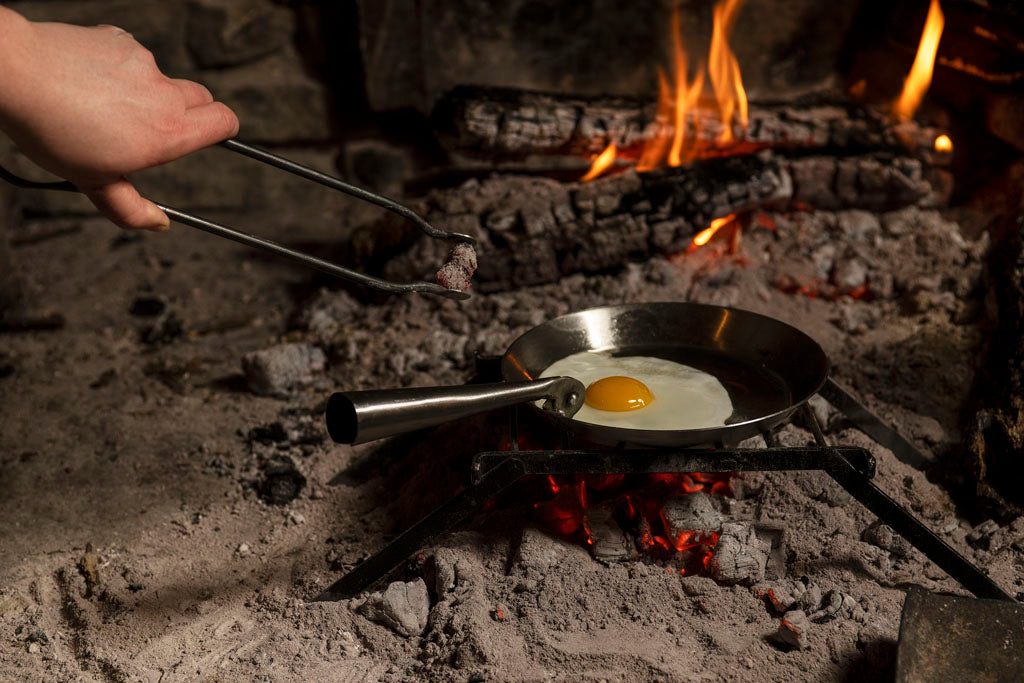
point(684, 397)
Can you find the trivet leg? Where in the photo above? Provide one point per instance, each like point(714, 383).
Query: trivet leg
point(910, 528)
point(865, 421)
point(456, 510)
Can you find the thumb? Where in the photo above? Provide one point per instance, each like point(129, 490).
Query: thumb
point(121, 203)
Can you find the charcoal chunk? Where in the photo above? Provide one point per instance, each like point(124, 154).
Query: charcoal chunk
point(837, 604)
point(282, 482)
point(280, 370)
point(885, 538)
point(609, 543)
point(740, 556)
point(692, 512)
point(402, 607)
point(148, 306)
point(455, 274)
point(793, 630)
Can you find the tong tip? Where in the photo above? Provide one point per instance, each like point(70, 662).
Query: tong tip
point(461, 237)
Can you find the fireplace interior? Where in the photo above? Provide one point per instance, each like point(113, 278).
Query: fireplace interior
point(175, 506)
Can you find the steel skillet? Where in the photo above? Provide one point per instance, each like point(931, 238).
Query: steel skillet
point(768, 367)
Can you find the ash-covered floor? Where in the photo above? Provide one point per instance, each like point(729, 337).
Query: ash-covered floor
point(151, 528)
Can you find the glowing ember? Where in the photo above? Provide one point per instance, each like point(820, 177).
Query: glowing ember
point(602, 163)
point(638, 502)
point(943, 144)
point(725, 71)
point(920, 76)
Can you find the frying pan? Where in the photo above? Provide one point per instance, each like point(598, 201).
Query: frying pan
point(768, 367)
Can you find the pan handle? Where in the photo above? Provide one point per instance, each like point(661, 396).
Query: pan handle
point(360, 416)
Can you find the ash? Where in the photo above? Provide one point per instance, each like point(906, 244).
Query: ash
point(140, 540)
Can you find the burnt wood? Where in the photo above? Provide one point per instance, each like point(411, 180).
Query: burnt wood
point(534, 230)
point(498, 123)
point(995, 439)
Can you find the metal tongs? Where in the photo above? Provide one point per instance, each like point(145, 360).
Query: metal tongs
point(281, 250)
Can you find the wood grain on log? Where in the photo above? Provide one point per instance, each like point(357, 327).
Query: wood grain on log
point(534, 230)
point(495, 123)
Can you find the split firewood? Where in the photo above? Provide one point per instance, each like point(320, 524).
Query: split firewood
point(497, 123)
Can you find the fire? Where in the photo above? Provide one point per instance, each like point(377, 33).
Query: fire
point(602, 163)
point(725, 71)
point(657, 146)
point(679, 102)
point(704, 236)
point(943, 144)
point(920, 76)
point(687, 93)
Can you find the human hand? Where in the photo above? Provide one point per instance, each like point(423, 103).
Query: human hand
point(90, 105)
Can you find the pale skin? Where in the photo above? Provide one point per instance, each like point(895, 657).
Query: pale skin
point(90, 105)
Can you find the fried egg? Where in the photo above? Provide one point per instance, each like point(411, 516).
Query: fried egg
point(642, 392)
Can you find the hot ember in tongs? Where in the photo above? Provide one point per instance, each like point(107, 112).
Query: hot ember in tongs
point(453, 275)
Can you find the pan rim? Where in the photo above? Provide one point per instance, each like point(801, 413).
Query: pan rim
point(706, 435)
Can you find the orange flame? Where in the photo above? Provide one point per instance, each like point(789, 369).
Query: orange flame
point(943, 144)
point(655, 148)
point(725, 71)
point(703, 236)
point(920, 76)
point(670, 140)
point(601, 164)
point(686, 94)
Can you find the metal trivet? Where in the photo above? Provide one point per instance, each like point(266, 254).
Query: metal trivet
point(853, 468)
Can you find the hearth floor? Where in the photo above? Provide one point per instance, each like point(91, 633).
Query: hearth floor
point(136, 543)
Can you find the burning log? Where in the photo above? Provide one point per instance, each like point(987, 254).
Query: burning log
point(535, 230)
point(498, 123)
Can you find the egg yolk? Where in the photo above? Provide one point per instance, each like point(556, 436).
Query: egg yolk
point(618, 394)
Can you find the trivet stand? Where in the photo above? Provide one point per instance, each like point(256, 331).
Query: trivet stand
point(853, 468)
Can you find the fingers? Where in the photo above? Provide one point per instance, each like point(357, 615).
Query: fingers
point(206, 125)
point(195, 94)
point(121, 203)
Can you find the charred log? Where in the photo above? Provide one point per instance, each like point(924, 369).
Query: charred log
point(535, 230)
point(995, 439)
point(507, 123)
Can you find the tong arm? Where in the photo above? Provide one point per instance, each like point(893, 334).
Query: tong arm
point(287, 252)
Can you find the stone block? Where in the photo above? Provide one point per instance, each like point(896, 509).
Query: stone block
point(222, 33)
